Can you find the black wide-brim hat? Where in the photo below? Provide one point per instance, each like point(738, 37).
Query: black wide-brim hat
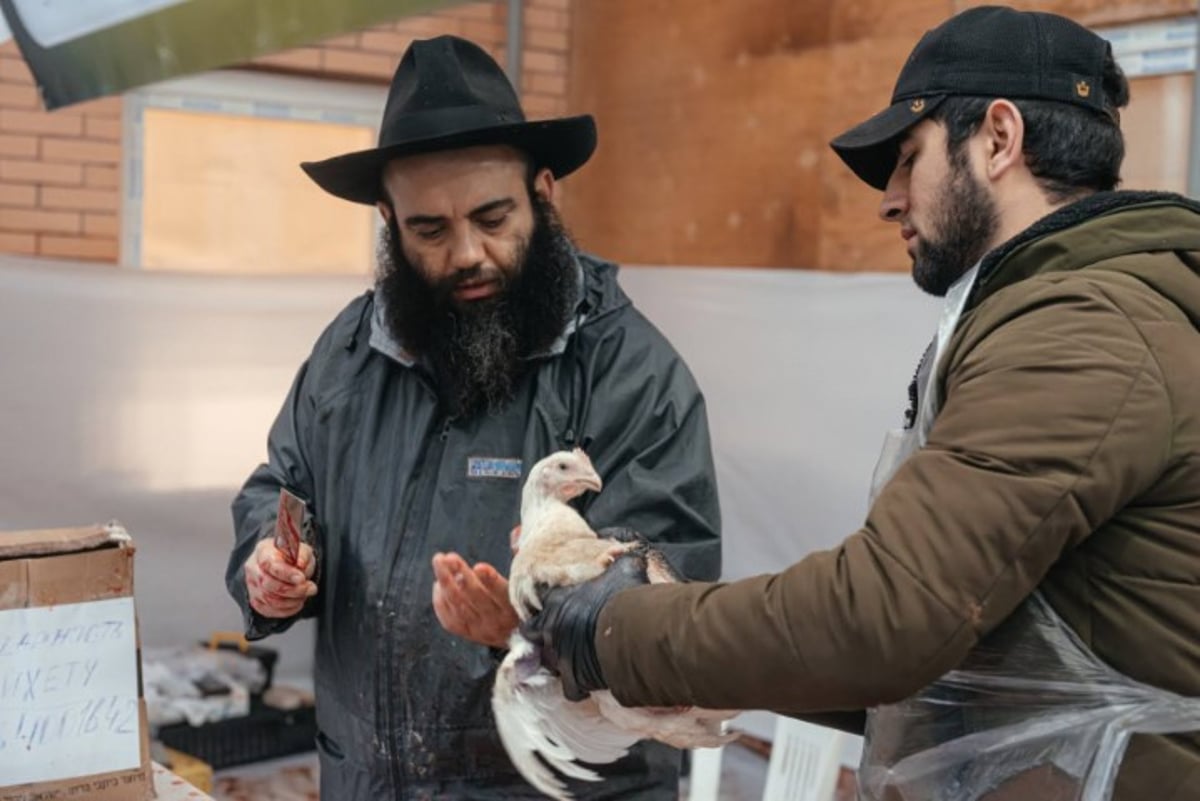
point(447, 94)
point(987, 51)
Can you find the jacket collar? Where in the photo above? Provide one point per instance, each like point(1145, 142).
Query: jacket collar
point(1037, 248)
point(386, 343)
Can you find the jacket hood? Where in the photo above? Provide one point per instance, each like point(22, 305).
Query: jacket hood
point(1104, 226)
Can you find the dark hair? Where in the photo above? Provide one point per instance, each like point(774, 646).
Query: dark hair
point(1068, 148)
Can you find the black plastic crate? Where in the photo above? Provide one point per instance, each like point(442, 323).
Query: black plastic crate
point(266, 733)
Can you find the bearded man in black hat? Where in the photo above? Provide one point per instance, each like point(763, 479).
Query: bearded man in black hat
point(487, 342)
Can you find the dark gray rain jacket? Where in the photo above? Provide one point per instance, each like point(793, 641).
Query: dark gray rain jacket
point(402, 706)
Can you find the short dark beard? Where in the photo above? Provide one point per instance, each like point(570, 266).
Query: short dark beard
point(963, 226)
point(477, 351)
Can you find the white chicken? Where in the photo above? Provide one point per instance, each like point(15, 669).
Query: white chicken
point(555, 546)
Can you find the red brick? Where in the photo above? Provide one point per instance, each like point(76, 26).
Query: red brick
point(19, 96)
point(545, 18)
point(542, 83)
point(12, 145)
point(18, 195)
point(348, 41)
point(426, 27)
point(41, 172)
point(541, 39)
point(541, 106)
point(101, 224)
point(483, 32)
point(18, 243)
point(561, 5)
point(476, 11)
point(33, 220)
point(101, 177)
point(301, 58)
point(100, 107)
point(78, 247)
point(14, 121)
point(349, 63)
point(386, 42)
point(537, 61)
point(102, 128)
point(14, 70)
point(75, 150)
point(88, 199)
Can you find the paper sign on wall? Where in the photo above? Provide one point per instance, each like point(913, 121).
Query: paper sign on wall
point(68, 691)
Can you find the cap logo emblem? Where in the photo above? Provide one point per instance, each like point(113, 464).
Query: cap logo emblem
point(918, 105)
point(1083, 88)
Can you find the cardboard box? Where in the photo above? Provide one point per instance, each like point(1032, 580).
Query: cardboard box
point(72, 718)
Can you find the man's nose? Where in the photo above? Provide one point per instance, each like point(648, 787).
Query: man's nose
point(466, 250)
point(894, 205)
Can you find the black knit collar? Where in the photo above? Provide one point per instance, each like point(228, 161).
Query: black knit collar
point(1072, 214)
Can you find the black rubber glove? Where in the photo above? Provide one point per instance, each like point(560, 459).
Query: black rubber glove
point(565, 629)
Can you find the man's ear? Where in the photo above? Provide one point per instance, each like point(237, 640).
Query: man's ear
point(543, 184)
point(385, 210)
point(1003, 130)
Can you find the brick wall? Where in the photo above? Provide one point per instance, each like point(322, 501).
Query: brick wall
point(371, 55)
point(60, 172)
point(59, 193)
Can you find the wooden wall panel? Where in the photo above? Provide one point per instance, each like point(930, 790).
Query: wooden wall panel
point(862, 75)
point(708, 136)
point(1096, 13)
point(856, 20)
point(714, 124)
point(715, 119)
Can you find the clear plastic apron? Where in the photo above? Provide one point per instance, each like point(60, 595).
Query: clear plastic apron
point(1031, 713)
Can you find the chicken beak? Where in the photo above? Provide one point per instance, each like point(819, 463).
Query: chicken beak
point(591, 481)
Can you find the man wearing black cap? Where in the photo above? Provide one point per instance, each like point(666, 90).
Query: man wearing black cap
point(487, 342)
point(1035, 528)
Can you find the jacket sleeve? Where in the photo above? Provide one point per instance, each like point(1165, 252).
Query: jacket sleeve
point(256, 506)
point(650, 442)
point(1052, 422)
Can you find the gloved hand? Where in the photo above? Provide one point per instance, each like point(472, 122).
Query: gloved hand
point(565, 629)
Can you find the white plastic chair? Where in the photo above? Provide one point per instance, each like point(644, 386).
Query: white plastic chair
point(804, 766)
point(805, 762)
point(704, 780)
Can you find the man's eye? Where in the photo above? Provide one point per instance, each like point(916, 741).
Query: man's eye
point(429, 234)
point(907, 161)
point(491, 223)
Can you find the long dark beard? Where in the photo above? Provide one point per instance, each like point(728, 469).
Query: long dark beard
point(476, 351)
point(966, 221)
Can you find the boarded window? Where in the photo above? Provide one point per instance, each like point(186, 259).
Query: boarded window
point(215, 185)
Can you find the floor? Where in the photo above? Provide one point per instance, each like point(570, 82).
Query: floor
point(743, 776)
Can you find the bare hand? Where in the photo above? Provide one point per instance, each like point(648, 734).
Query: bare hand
point(276, 587)
point(472, 602)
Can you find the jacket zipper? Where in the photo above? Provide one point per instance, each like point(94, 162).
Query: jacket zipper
point(420, 492)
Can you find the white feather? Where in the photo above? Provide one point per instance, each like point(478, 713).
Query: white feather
point(535, 719)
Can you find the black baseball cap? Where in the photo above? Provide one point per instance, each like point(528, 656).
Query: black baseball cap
point(988, 51)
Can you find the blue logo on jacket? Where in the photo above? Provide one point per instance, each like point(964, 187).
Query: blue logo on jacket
point(492, 467)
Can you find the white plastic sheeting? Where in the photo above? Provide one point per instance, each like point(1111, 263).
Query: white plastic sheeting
point(147, 398)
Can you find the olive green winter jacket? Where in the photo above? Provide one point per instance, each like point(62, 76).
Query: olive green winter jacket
point(1066, 457)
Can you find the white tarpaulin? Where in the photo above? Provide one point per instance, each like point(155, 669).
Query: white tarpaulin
point(147, 398)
